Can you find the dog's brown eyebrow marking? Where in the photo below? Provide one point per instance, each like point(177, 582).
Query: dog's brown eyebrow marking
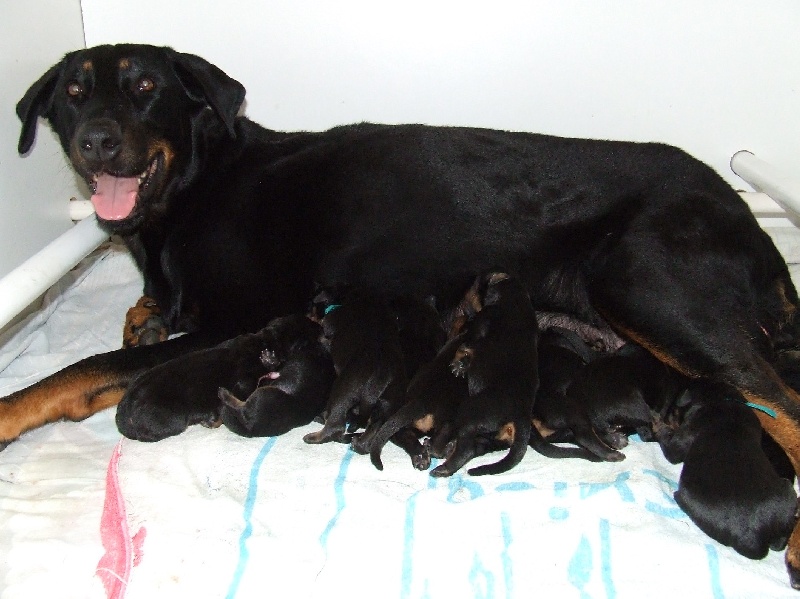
point(87, 65)
point(124, 63)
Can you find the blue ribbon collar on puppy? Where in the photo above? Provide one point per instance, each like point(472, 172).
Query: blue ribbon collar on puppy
point(768, 411)
point(331, 308)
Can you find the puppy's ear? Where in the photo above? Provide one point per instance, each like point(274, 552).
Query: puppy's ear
point(36, 102)
point(207, 83)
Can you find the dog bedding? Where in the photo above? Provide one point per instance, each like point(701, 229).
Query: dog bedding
point(85, 513)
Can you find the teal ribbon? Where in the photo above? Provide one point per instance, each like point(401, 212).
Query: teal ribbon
point(768, 411)
point(331, 308)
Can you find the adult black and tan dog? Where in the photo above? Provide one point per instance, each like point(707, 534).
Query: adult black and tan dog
point(233, 224)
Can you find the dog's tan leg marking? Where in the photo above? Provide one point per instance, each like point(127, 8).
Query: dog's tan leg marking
point(424, 424)
point(135, 319)
point(507, 433)
point(74, 398)
point(544, 431)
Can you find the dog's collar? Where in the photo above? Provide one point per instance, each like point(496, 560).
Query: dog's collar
point(331, 308)
point(768, 411)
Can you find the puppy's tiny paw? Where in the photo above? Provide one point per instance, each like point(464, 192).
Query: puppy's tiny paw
point(458, 368)
point(441, 471)
point(421, 461)
point(269, 358)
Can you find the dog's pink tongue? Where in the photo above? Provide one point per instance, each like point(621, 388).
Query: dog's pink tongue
point(115, 197)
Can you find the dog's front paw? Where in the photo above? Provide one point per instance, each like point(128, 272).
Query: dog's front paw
point(143, 324)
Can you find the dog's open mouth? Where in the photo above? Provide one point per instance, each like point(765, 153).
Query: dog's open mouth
point(114, 197)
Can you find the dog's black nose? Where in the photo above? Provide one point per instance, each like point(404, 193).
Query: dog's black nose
point(100, 141)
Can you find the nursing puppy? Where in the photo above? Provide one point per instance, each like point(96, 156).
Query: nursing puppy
point(498, 359)
point(370, 367)
point(170, 396)
point(296, 389)
point(421, 332)
point(557, 416)
point(621, 390)
point(728, 487)
point(432, 400)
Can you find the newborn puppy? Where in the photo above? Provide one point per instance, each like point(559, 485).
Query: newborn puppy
point(432, 401)
point(420, 330)
point(619, 391)
point(169, 397)
point(498, 359)
point(368, 358)
point(296, 389)
point(559, 417)
point(728, 487)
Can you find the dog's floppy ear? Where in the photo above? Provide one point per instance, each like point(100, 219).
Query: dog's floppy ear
point(36, 102)
point(207, 83)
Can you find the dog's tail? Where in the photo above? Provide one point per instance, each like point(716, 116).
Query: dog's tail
point(551, 450)
point(519, 445)
point(86, 387)
point(404, 417)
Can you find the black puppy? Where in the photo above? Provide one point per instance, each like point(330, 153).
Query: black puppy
point(498, 359)
point(370, 368)
point(169, 397)
point(728, 487)
point(421, 332)
point(296, 389)
point(557, 416)
point(432, 401)
point(620, 392)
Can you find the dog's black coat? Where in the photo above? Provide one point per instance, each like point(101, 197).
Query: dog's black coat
point(297, 394)
point(233, 224)
point(728, 486)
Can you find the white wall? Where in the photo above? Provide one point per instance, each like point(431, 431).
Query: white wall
point(35, 190)
point(712, 76)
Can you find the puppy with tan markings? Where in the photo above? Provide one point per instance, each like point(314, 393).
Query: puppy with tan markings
point(432, 400)
point(296, 389)
point(498, 359)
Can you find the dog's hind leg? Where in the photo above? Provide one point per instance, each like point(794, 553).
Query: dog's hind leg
point(519, 433)
point(708, 299)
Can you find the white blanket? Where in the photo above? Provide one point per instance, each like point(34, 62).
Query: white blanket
point(210, 514)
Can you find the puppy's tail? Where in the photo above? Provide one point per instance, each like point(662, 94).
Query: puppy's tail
point(551, 450)
point(399, 420)
point(229, 399)
point(522, 433)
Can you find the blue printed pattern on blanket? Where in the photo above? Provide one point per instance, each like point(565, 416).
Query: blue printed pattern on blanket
point(573, 512)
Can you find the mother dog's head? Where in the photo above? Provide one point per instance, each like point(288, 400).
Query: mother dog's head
point(128, 122)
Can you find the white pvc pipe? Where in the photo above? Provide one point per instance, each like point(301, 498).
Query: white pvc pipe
point(33, 277)
point(780, 186)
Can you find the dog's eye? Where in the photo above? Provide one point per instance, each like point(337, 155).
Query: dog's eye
point(145, 84)
point(74, 89)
